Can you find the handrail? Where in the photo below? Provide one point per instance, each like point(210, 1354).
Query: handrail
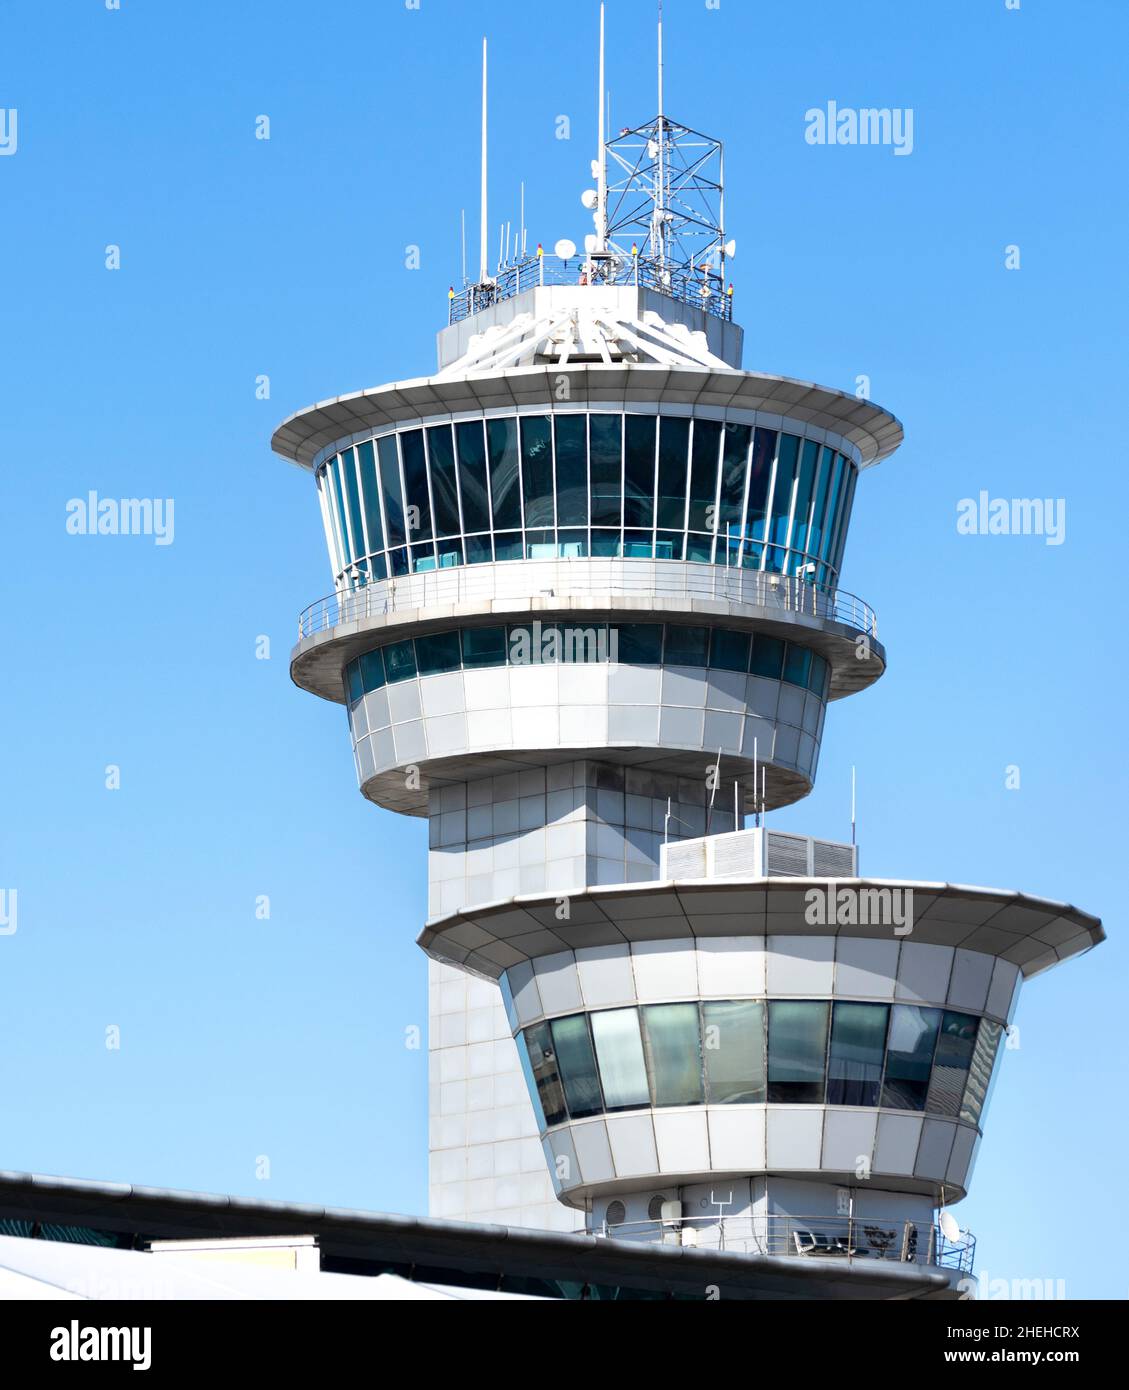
point(701, 288)
point(563, 578)
point(845, 1238)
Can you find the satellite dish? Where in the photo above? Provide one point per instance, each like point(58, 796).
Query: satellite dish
point(949, 1226)
point(590, 198)
point(590, 244)
point(565, 249)
point(595, 168)
point(652, 149)
point(730, 248)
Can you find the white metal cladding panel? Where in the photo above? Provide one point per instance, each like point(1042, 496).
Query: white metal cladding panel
point(848, 1140)
point(923, 972)
point(865, 966)
point(1004, 979)
point(682, 1141)
point(731, 966)
point(971, 977)
point(606, 978)
point(737, 1138)
point(895, 1149)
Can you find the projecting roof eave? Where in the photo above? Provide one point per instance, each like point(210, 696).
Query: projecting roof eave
point(1032, 933)
point(379, 1238)
point(301, 437)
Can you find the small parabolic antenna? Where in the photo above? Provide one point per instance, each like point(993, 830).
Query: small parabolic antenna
point(590, 199)
point(565, 249)
point(950, 1226)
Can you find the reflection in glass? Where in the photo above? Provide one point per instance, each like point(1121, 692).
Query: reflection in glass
point(444, 488)
point(858, 1045)
point(674, 1062)
point(606, 463)
point(415, 485)
point(619, 1048)
point(572, 469)
point(955, 1044)
point(501, 443)
point(577, 1064)
point(909, 1057)
point(370, 495)
point(980, 1071)
point(472, 476)
point(640, 438)
point(543, 1064)
point(797, 1043)
point(388, 456)
point(733, 1033)
point(704, 476)
point(537, 471)
point(674, 448)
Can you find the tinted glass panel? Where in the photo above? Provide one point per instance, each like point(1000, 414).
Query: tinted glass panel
point(734, 466)
point(640, 437)
point(819, 506)
point(955, 1044)
point(438, 653)
point(472, 476)
point(390, 486)
point(913, 1036)
point(674, 447)
point(619, 1048)
point(370, 496)
point(817, 679)
point(980, 1072)
point(572, 470)
point(543, 1064)
point(640, 644)
point(353, 502)
point(537, 469)
point(415, 486)
point(577, 1064)
point(834, 494)
point(858, 1045)
point(797, 665)
point(845, 517)
point(353, 681)
point(733, 1049)
point(687, 646)
point(607, 470)
point(760, 477)
point(501, 440)
point(484, 646)
point(809, 457)
point(768, 657)
point(674, 1062)
point(333, 484)
point(782, 496)
point(704, 475)
point(797, 1046)
point(372, 670)
point(400, 661)
point(729, 651)
point(444, 489)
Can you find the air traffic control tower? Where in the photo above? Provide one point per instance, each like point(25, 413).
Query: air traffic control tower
point(588, 622)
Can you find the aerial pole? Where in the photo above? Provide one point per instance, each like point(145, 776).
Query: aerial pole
point(484, 273)
point(660, 190)
point(602, 186)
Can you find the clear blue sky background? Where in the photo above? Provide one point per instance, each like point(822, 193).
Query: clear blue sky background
point(285, 1038)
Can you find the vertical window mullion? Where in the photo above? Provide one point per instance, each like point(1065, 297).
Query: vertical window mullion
point(717, 492)
point(770, 499)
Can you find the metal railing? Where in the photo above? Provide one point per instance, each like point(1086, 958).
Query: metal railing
point(703, 289)
point(806, 1237)
point(549, 579)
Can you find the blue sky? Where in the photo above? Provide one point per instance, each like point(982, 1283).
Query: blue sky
point(239, 257)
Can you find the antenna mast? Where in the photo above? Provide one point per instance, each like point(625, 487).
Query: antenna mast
point(602, 194)
point(484, 274)
point(659, 234)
